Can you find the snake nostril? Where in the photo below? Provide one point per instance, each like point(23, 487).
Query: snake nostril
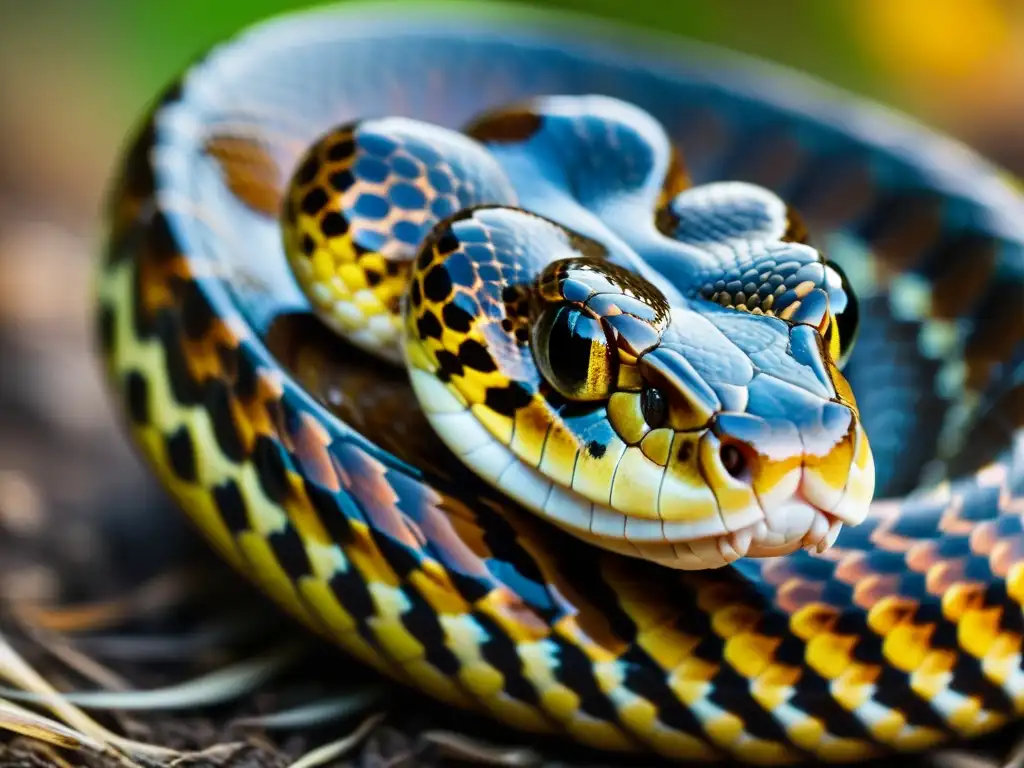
point(733, 460)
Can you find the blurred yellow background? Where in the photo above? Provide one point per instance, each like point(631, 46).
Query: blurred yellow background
point(75, 75)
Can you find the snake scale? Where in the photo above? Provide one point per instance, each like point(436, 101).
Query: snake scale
point(566, 222)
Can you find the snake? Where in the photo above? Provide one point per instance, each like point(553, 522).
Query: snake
point(515, 354)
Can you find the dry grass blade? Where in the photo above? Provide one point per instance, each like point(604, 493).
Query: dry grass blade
point(21, 674)
point(318, 713)
point(955, 758)
point(217, 687)
point(1016, 756)
point(335, 749)
point(88, 667)
point(455, 745)
point(26, 723)
point(14, 718)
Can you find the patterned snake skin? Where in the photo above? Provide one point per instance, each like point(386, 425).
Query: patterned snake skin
point(309, 466)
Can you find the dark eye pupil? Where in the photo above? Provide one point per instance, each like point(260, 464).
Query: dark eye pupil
point(732, 460)
point(572, 353)
point(848, 322)
point(653, 407)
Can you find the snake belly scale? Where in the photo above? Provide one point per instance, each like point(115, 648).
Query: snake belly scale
point(310, 465)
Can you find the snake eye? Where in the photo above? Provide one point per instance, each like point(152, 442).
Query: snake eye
point(653, 407)
point(844, 320)
point(573, 354)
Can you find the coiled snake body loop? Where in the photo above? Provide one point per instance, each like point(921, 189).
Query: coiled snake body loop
point(483, 217)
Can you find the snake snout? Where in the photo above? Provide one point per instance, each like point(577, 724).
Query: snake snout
point(809, 472)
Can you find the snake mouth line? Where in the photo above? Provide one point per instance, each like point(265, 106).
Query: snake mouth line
point(763, 539)
point(780, 532)
point(762, 530)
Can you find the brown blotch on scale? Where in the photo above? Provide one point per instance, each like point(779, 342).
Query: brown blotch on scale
point(307, 171)
point(796, 228)
point(677, 180)
point(902, 229)
point(181, 454)
point(310, 446)
point(508, 399)
point(995, 338)
point(250, 172)
point(341, 181)
point(967, 264)
point(506, 127)
point(428, 326)
point(136, 400)
point(473, 354)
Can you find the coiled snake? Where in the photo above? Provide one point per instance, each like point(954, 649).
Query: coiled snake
point(574, 245)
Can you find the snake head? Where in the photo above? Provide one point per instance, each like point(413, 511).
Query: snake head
point(764, 420)
point(735, 432)
point(689, 435)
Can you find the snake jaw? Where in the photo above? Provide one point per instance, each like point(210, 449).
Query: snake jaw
point(812, 516)
point(817, 510)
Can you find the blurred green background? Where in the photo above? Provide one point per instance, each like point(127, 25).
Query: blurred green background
point(74, 74)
